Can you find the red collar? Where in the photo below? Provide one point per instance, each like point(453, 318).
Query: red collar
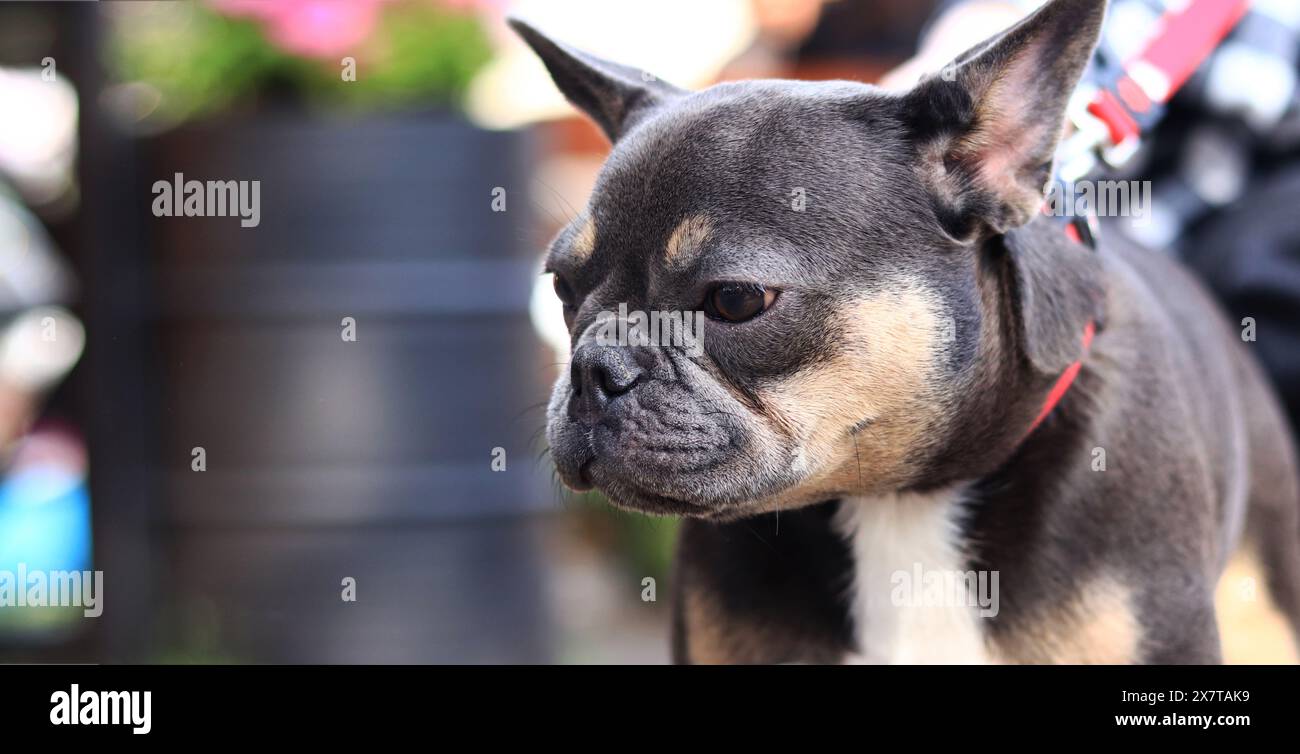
point(1066, 379)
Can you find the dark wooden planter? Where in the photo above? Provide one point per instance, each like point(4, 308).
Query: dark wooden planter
point(370, 459)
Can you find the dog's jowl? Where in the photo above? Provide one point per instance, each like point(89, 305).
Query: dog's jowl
point(884, 441)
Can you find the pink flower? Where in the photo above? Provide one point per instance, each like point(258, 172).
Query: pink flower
point(310, 28)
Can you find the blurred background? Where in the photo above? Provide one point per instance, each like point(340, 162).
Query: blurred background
point(383, 133)
point(414, 160)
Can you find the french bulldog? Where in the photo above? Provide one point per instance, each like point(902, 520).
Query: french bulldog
point(907, 372)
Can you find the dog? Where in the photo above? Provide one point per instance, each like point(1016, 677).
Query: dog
point(907, 370)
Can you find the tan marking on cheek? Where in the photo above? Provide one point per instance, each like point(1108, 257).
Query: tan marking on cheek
point(1095, 627)
point(883, 373)
point(584, 243)
point(687, 240)
point(1254, 631)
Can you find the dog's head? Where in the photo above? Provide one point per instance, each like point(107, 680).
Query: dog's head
point(872, 318)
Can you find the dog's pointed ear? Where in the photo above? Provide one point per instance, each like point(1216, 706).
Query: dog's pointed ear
point(987, 126)
point(615, 96)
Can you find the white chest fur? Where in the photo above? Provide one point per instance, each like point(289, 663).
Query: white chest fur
point(911, 590)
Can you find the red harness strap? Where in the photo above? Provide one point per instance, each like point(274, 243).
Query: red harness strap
point(1131, 98)
point(1066, 379)
point(1185, 38)
point(1079, 231)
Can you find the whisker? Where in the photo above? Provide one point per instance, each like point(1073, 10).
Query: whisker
point(573, 212)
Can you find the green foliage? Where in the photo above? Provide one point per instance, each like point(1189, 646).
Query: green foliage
point(196, 60)
point(644, 543)
point(434, 55)
point(200, 62)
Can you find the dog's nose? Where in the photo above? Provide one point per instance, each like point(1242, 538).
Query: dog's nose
point(598, 374)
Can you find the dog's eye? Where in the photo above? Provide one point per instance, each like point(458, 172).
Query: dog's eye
point(737, 302)
point(563, 291)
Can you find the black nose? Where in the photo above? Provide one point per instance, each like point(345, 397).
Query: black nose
point(598, 374)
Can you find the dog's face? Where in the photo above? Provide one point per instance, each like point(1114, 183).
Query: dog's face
point(856, 328)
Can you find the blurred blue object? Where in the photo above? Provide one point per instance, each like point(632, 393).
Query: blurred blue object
point(44, 519)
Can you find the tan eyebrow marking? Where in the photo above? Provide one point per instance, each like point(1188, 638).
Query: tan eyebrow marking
point(687, 240)
point(584, 242)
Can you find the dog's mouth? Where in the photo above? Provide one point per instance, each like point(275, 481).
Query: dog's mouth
point(633, 495)
point(678, 462)
point(591, 474)
point(630, 494)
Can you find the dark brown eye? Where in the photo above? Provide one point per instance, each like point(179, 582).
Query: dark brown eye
point(737, 302)
point(563, 291)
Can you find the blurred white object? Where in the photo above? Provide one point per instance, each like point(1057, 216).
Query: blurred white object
point(39, 347)
point(547, 314)
point(1252, 83)
point(684, 42)
point(40, 341)
point(38, 135)
point(1216, 165)
point(1129, 27)
point(31, 271)
point(1254, 74)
